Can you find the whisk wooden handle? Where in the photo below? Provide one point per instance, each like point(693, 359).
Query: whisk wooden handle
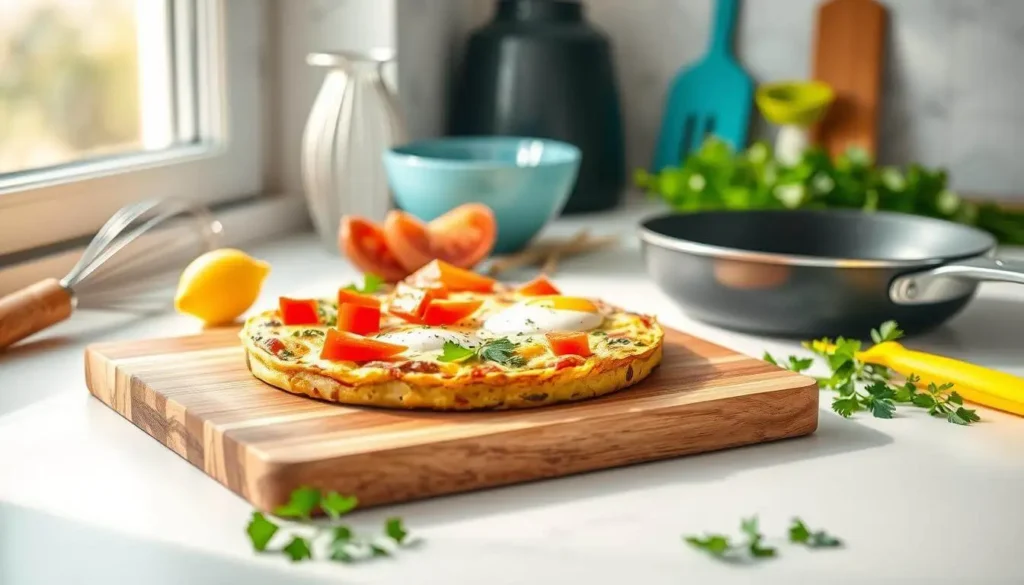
point(32, 309)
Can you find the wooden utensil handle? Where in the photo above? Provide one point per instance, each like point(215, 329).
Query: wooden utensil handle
point(32, 309)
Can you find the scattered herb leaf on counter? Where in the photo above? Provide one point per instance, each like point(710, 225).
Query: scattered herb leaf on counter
point(800, 534)
point(753, 547)
point(867, 387)
point(371, 284)
point(716, 177)
point(342, 544)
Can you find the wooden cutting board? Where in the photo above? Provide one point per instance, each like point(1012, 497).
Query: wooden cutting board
point(848, 55)
point(195, 395)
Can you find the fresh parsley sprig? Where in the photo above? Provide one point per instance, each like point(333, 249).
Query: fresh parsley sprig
point(800, 534)
point(860, 386)
point(337, 541)
point(752, 547)
point(722, 547)
point(500, 351)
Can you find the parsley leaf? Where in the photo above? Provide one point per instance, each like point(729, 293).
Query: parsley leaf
point(335, 504)
point(301, 504)
point(298, 549)
point(395, 530)
point(501, 351)
point(453, 352)
point(771, 360)
point(887, 331)
point(800, 534)
point(260, 531)
point(800, 364)
point(713, 544)
point(371, 284)
point(342, 534)
point(845, 407)
point(963, 416)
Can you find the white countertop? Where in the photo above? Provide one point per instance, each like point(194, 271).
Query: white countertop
point(86, 497)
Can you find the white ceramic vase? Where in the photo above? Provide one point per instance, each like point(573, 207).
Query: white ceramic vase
point(354, 119)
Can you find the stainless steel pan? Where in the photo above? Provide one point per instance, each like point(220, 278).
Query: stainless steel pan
point(819, 272)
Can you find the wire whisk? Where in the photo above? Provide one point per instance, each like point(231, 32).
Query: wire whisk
point(124, 267)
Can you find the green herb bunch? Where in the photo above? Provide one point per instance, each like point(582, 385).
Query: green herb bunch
point(333, 539)
point(716, 177)
point(867, 387)
point(500, 351)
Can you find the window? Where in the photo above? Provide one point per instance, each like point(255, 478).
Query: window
point(103, 102)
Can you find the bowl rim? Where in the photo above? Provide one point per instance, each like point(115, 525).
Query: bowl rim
point(395, 152)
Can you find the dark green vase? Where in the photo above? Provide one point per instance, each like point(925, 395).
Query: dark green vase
point(539, 69)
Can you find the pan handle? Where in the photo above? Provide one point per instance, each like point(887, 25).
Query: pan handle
point(953, 280)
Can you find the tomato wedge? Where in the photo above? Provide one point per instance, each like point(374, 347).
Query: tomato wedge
point(354, 298)
point(358, 318)
point(451, 277)
point(408, 239)
point(539, 286)
point(449, 312)
point(569, 343)
point(464, 236)
point(364, 243)
point(344, 346)
point(298, 311)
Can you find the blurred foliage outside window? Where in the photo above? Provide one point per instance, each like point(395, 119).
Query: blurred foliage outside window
point(69, 81)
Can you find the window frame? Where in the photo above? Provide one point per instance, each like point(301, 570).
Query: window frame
point(49, 206)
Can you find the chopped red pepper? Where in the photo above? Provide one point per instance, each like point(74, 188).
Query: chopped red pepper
point(358, 319)
point(570, 343)
point(354, 298)
point(345, 346)
point(539, 286)
point(299, 311)
point(444, 312)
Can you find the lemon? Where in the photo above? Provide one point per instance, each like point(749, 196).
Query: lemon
point(220, 285)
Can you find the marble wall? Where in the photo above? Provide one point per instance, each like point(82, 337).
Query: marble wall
point(952, 80)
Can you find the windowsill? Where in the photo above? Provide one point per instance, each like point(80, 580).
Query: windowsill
point(246, 222)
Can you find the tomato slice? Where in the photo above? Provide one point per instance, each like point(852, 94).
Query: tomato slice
point(464, 236)
point(345, 346)
point(358, 318)
point(354, 298)
point(539, 286)
point(298, 311)
point(449, 312)
point(408, 239)
point(451, 277)
point(364, 243)
point(569, 343)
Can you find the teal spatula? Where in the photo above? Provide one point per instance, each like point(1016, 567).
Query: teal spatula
point(713, 96)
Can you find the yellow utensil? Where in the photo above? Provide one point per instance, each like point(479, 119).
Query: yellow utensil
point(976, 384)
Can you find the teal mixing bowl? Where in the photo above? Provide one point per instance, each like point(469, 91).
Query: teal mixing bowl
point(526, 181)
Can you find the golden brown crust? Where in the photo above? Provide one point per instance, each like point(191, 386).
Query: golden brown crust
point(564, 386)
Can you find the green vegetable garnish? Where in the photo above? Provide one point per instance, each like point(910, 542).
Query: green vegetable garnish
point(720, 546)
point(341, 543)
point(716, 177)
point(752, 548)
point(501, 351)
point(371, 283)
point(800, 534)
point(867, 387)
point(453, 352)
